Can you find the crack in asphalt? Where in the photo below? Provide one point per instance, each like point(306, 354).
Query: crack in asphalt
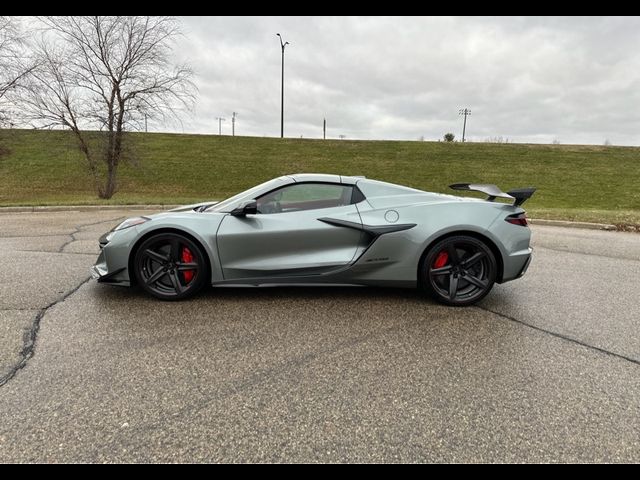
point(561, 336)
point(29, 338)
point(79, 228)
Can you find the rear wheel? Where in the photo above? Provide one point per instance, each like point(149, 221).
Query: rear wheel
point(459, 270)
point(171, 266)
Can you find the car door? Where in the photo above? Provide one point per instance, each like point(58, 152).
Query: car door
point(286, 236)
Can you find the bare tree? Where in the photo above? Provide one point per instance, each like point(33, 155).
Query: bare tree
point(100, 76)
point(14, 65)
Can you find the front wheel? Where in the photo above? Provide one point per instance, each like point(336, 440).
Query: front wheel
point(459, 270)
point(171, 266)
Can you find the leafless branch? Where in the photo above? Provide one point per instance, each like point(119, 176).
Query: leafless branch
point(106, 73)
point(15, 65)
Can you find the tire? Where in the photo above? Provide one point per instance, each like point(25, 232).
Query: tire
point(171, 266)
point(458, 271)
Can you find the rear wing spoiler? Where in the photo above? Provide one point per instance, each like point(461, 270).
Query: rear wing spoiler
point(518, 195)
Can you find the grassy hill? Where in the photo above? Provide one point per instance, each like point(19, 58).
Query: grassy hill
point(591, 183)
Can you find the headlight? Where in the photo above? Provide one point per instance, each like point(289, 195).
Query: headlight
point(131, 222)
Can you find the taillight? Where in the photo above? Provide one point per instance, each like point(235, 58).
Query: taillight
point(518, 219)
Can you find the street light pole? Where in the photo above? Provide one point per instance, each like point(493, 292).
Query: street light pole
point(220, 120)
point(466, 112)
point(282, 46)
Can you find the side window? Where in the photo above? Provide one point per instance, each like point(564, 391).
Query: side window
point(305, 196)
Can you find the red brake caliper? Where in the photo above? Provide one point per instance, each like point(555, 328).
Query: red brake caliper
point(441, 259)
point(187, 257)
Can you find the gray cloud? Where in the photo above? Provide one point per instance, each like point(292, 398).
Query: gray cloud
point(529, 79)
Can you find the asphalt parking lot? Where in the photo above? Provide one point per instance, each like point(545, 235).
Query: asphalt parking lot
point(546, 369)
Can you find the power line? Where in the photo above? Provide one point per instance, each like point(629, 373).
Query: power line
point(466, 112)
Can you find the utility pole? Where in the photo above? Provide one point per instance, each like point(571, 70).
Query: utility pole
point(466, 112)
point(324, 129)
point(282, 46)
point(233, 123)
point(220, 120)
point(145, 123)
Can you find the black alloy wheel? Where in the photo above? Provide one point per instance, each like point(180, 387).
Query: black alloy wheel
point(170, 266)
point(459, 270)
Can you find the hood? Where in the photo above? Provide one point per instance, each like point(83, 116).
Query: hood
point(196, 207)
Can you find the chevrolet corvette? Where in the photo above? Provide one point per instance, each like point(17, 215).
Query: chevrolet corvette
point(326, 229)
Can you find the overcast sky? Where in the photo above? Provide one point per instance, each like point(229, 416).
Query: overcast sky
point(528, 79)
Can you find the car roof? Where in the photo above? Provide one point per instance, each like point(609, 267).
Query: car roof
point(324, 177)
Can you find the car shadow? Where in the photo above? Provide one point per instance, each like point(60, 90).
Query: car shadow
point(268, 292)
point(302, 293)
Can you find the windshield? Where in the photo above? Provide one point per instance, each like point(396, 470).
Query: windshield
point(232, 202)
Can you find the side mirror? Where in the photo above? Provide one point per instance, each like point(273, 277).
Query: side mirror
point(246, 208)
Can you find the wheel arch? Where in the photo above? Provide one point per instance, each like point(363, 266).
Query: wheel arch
point(132, 253)
point(479, 236)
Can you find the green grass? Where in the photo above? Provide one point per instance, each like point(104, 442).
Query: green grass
point(588, 183)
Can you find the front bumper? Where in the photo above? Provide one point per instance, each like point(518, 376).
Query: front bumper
point(112, 263)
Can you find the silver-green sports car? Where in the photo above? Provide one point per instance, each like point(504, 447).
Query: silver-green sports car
point(326, 229)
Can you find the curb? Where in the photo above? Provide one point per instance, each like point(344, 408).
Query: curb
point(566, 223)
point(83, 208)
